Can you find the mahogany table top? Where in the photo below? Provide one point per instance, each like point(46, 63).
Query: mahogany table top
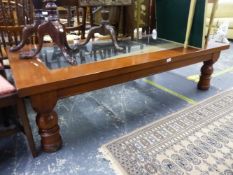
point(46, 73)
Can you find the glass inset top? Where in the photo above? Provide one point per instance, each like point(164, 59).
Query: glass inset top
point(104, 2)
point(104, 49)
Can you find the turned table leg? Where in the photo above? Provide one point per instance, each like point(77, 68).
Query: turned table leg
point(47, 121)
point(206, 72)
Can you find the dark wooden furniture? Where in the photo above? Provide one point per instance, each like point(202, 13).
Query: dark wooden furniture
point(41, 27)
point(81, 25)
point(9, 97)
point(72, 10)
point(2, 66)
point(57, 31)
point(84, 5)
point(17, 12)
point(45, 86)
point(104, 28)
point(127, 10)
point(13, 16)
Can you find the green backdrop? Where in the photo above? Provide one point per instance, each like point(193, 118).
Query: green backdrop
point(172, 18)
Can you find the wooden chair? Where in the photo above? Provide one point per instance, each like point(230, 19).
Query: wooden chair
point(14, 15)
point(16, 12)
point(67, 15)
point(2, 66)
point(9, 97)
point(81, 13)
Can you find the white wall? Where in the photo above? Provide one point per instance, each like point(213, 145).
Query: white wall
point(225, 1)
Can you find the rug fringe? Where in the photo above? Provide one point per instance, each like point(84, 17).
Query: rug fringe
point(114, 164)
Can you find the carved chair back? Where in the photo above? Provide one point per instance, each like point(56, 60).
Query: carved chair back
point(74, 14)
point(14, 14)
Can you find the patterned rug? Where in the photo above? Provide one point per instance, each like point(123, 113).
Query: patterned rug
point(196, 141)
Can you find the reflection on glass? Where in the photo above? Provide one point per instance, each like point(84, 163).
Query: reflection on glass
point(102, 50)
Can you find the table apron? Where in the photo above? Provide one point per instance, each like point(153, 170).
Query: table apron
point(122, 78)
point(69, 87)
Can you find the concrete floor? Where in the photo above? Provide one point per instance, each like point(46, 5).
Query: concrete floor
point(92, 119)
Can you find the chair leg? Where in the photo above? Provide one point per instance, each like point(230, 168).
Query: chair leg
point(3, 73)
point(6, 121)
point(27, 128)
point(6, 118)
point(84, 22)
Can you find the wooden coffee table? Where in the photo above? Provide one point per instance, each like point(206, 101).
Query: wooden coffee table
point(50, 78)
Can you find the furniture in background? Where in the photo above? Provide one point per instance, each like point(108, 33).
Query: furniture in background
point(14, 15)
point(9, 97)
point(73, 11)
point(121, 17)
point(57, 31)
point(67, 15)
point(3, 66)
point(223, 13)
point(144, 15)
point(2, 59)
point(52, 27)
point(48, 85)
point(104, 28)
point(17, 12)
